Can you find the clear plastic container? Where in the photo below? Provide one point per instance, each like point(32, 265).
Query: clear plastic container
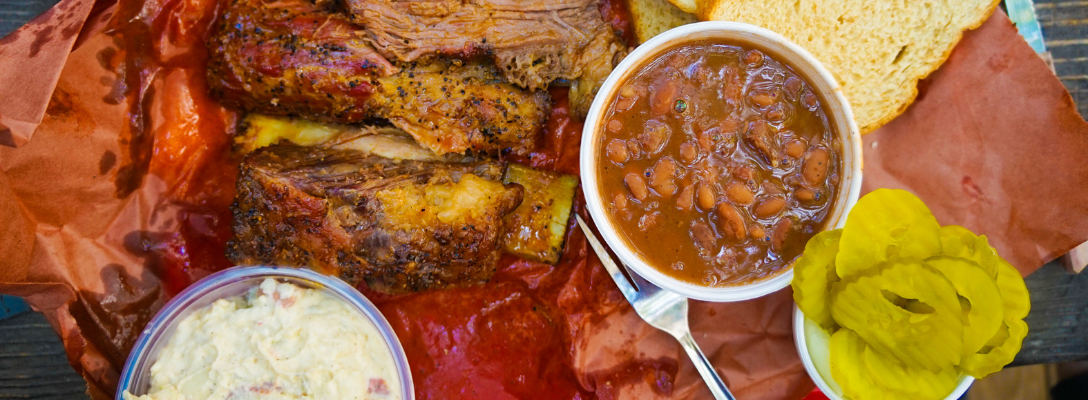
point(136, 376)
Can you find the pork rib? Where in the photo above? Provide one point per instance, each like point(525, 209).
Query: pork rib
point(399, 225)
point(292, 57)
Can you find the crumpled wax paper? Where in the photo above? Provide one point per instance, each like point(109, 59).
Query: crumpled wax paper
point(992, 143)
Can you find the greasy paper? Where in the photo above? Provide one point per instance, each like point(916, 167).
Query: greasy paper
point(990, 144)
point(993, 143)
point(31, 59)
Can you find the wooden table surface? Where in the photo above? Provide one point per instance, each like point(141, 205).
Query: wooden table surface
point(33, 364)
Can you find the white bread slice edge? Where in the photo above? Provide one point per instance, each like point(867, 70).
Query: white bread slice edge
point(652, 17)
point(877, 49)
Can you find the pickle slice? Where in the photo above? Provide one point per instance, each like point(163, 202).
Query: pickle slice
point(997, 340)
point(953, 240)
point(848, 368)
point(813, 275)
point(905, 309)
point(866, 374)
point(985, 310)
point(886, 223)
point(957, 241)
point(906, 382)
point(1014, 294)
point(991, 360)
point(998, 353)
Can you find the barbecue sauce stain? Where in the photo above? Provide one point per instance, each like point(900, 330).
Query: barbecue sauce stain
point(71, 30)
point(137, 142)
point(134, 77)
point(47, 30)
point(10, 38)
point(119, 314)
point(159, 60)
point(658, 375)
point(149, 48)
point(616, 13)
point(43, 35)
point(106, 163)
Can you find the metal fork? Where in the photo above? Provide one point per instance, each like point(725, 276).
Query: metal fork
point(661, 309)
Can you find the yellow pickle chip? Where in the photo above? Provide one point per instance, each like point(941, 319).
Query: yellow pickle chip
point(1000, 350)
point(847, 366)
point(886, 223)
point(984, 310)
point(905, 309)
point(813, 274)
point(992, 359)
point(1014, 294)
point(957, 241)
point(906, 382)
point(913, 306)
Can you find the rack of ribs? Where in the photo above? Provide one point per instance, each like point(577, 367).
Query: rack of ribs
point(293, 57)
point(401, 226)
point(465, 79)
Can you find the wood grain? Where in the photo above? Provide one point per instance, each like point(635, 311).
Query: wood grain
point(1058, 321)
point(15, 13)
point(1065, 29)
point(1030, 382)
point(32, 362)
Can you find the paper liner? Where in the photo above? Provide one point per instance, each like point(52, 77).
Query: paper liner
point(993, 143)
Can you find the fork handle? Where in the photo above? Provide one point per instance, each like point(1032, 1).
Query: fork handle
point(717, 387)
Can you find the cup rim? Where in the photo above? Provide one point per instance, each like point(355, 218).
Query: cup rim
point(839, 110)
point(801, 341)
point(156, 328)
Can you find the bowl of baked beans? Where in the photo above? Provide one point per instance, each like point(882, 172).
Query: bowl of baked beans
point(713, 153)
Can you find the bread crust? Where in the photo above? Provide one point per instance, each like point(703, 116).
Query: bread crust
point(882, 111)
point(652, 17)
point(905, 104)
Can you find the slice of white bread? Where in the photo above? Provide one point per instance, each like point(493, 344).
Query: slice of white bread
point(877, 49)
point(651, 17)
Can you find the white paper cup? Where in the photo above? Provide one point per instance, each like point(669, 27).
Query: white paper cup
point(812, 344)
point(834, 104)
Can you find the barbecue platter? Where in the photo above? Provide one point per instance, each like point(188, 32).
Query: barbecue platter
point(430, 158)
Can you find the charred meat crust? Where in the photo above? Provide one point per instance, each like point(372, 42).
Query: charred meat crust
point(453, 107)
point(400, 226)
point(291, 57)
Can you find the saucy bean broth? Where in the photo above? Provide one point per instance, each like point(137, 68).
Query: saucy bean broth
point(718, 163)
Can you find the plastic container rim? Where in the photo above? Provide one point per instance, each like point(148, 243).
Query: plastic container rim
point(156, 328)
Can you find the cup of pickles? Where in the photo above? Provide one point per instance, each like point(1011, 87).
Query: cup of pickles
point(895, 306)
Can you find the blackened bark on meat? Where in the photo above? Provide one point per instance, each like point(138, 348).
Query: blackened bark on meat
point(296, 58)
point(292, 57)
point(400, 226)
point(432, 100)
